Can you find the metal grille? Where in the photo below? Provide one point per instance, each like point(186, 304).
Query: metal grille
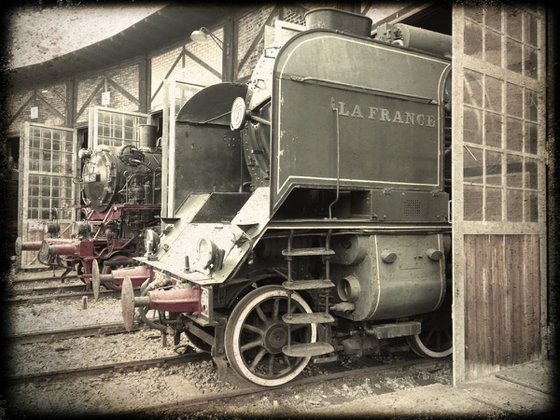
point(412, 208)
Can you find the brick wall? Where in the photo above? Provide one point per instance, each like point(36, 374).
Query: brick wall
point(248, 29)
point(192, 62)
point(50, 100)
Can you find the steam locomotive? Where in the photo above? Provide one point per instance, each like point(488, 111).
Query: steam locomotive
point(121, 189)
point(306, 211)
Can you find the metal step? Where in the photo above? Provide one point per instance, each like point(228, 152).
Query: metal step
point(308, 284)
point(307, 349)
point(307, 252)
point(305, 318)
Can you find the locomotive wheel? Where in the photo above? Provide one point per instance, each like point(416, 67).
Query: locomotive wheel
point(255, 335)
point(435, 340)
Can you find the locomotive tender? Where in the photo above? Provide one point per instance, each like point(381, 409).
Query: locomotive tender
point(309, 214)
point(121, 189)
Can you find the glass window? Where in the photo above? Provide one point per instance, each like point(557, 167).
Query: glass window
point(493, 48)
point(514, 171)
point(473, 39)
point(514, 56)
point(514, 22)
point(514, 100)
point(531, 138)
point(514, 134)
point(530, 29)
point(473, 203)
point(493, 206)
point(472, 125)
point(493, 17)
point(530, 62)
point(531, 174)
point(474, 13)
point(493, 126)
point(473, 165)
point(472, 88)
point(493, 94)
point(514, 211)
point(531, 206)
point(493, 168)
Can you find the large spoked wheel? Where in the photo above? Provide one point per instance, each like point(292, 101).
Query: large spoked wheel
point(435, 340)
point(255, 335)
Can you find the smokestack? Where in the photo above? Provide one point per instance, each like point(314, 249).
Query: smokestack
point(147, 136)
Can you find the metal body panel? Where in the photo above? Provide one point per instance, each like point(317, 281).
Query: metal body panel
point(389, 276)
point(202, 138)
point(360, 118)
point(182, 240)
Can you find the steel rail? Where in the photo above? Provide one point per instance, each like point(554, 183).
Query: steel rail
point(65, 296)
point(47, 290)
point(63, 334)
point(398, 367)
point(114, 368)
point(29, 277)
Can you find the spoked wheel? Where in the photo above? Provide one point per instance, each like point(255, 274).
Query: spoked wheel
point(435, 340)
point(255, 335)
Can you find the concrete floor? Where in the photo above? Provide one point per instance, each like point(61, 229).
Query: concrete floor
point(524, 390)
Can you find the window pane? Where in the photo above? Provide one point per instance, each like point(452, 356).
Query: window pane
point(472, 88)
point(514, 23)
point(493, 204)
point(531, 174)
point(514, 171)
point(530, 29)
point(493, 168)
point(514, 56)
point(472, 125)
point(493, 48)
point(514, 210)
point(472, 165)
point(493, 94)
point(514, 100)
point(493, 128)
point(531, 138)
point(531, 206)
point(530, 105)
point(494, 17)
point(473, 39)
point(530, 62)
point(473, 203)
point(514, 134)
point(474, 13)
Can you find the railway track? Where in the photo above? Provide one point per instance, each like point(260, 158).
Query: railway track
point(87, 331)
point(250, 390)
point(41, 277)
point(35, 291)
point(24, 299)
point(122, 367)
